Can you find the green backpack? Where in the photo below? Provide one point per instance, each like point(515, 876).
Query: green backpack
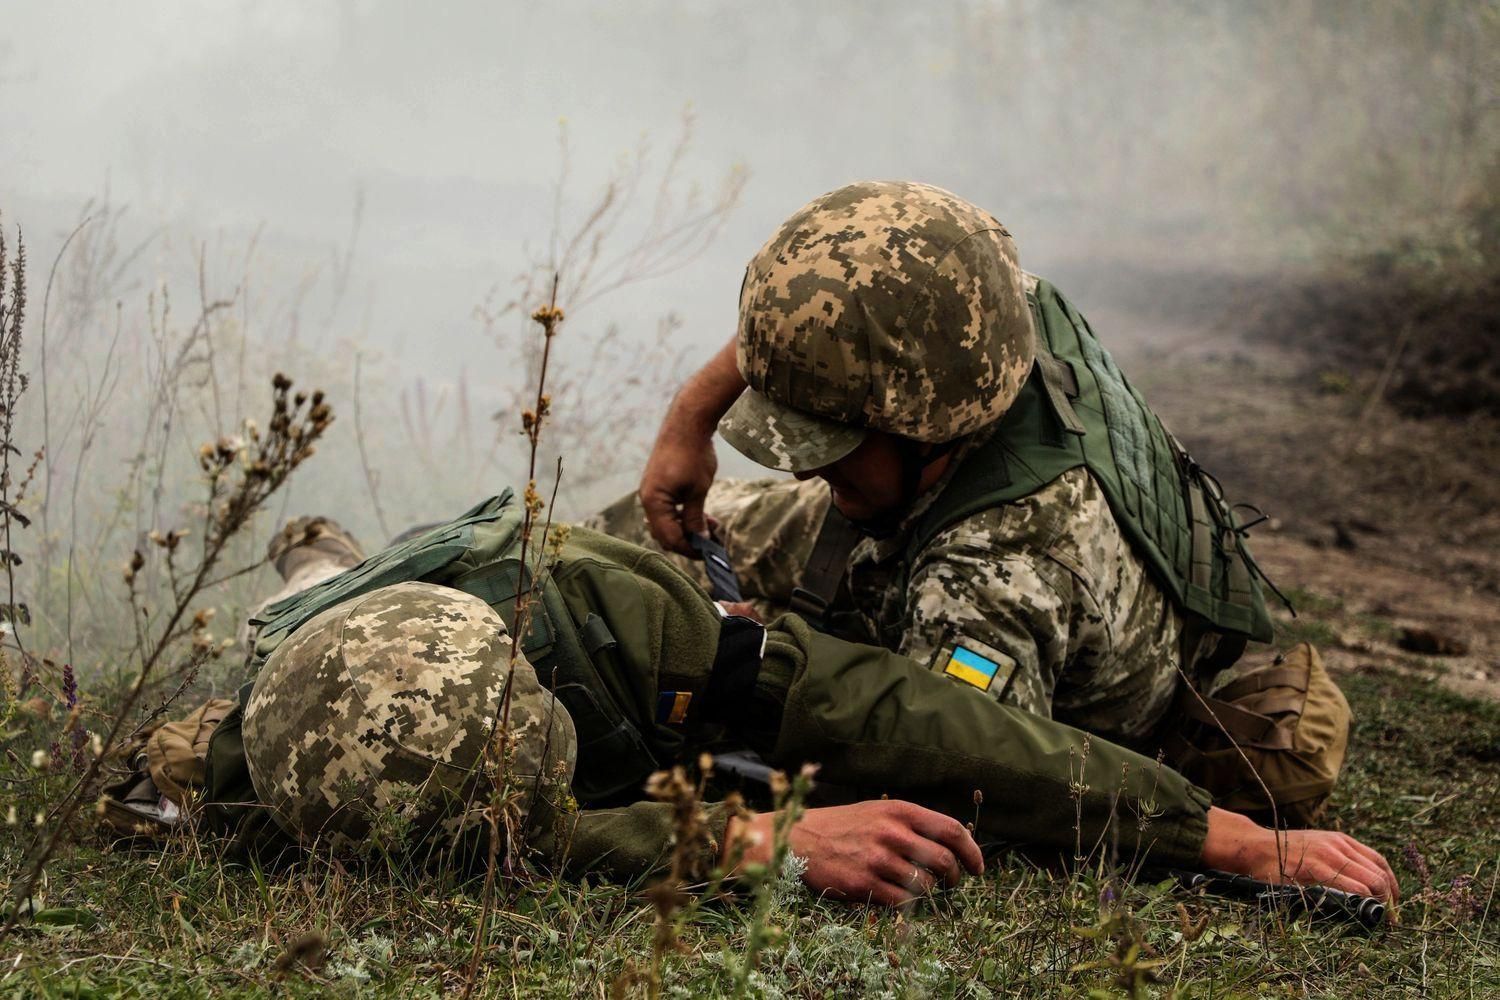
point(588, 612)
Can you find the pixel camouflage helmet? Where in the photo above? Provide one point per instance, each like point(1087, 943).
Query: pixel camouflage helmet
point(386, 703)
point(885, 305)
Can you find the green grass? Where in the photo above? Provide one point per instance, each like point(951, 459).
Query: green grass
point(1423, 769)
point(1310, 624)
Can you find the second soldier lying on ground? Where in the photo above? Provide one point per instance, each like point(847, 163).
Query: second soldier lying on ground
point(382, 685)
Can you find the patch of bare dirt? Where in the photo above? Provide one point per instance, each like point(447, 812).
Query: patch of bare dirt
point(1384, 515)
point(1371, 611)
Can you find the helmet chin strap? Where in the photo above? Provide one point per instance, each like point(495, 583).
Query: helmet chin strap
point(916, 456)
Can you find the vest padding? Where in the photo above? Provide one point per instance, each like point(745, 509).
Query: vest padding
point(1151, 486)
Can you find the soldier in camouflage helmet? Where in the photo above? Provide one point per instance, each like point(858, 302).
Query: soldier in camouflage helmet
point(889, 307)
point(1023, 523)
point(386, 705)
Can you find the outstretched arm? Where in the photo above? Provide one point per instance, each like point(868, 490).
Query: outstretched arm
point(886, 851)
point(1238, 844)
point(879, 721)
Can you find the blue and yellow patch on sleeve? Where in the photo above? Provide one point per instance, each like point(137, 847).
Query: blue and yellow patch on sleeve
point(672, 707)
point(971, 667)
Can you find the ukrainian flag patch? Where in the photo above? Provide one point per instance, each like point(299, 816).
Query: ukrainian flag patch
point(971, 667)
point(672, 707)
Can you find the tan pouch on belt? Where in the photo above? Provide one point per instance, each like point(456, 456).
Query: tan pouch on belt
point(175, 751)
point(1282, 728)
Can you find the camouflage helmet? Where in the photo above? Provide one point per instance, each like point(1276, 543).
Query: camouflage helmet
point(884, 305)
point(383, 706)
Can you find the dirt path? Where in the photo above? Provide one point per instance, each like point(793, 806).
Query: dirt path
point(1384, 529)
point(1360, 613)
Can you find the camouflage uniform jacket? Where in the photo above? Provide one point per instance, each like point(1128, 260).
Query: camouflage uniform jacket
point(1047, 588)
point(878, 723)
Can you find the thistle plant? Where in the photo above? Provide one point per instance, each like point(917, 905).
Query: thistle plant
point(240, 474)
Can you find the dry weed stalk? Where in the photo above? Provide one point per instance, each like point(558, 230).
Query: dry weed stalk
point(240, 474)
point(669, 897)
point(618, 388)
point(501, 812)
point(13, 383)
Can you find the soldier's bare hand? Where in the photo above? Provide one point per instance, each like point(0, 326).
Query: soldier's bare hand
point(676, 481)
point(1305, 857)
point(881, 851)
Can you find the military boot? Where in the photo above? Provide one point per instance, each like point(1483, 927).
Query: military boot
point(303, 540)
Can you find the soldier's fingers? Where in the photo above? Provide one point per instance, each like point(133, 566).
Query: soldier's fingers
point(1331, 859)
point(951, 834)
point(1377, 859)
point(935, 858)
point(888, 894)
point(1358, 873)
point(908, 875)
point(693, 519)
point(1318, 873)
point(664, 523)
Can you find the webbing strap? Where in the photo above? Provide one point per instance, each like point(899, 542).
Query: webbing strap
point(596, 635)
point(1243, 726)
point(1061, 383)
point(1239, 572)
point(825, 569)
point(1263, 680)
point(1201, 553)
point(1276, 704)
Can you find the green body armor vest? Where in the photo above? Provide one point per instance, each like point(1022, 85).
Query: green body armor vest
point(1077, 409)
point(583, 605)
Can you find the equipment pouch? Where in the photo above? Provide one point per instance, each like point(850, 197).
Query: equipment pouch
point(175, 752)
point(166, 770)
point(1282, 729)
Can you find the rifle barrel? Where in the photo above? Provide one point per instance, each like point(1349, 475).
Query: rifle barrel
point(1317, 900)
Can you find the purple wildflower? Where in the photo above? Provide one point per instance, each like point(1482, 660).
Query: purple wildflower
point(69, 687)
point(1417, 863)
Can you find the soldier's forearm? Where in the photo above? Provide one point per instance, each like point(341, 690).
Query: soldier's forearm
point(707, 395)
point(625, 843)
point(880, 722)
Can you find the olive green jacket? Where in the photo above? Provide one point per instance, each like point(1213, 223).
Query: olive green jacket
point(874, 721)
point(885, 725)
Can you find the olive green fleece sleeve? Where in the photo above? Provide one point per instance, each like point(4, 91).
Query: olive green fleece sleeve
point(628, 842)
point(883, 723)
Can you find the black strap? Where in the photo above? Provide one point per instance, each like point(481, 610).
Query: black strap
point(731, 680)
point(723, 584)
point(825, 569)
